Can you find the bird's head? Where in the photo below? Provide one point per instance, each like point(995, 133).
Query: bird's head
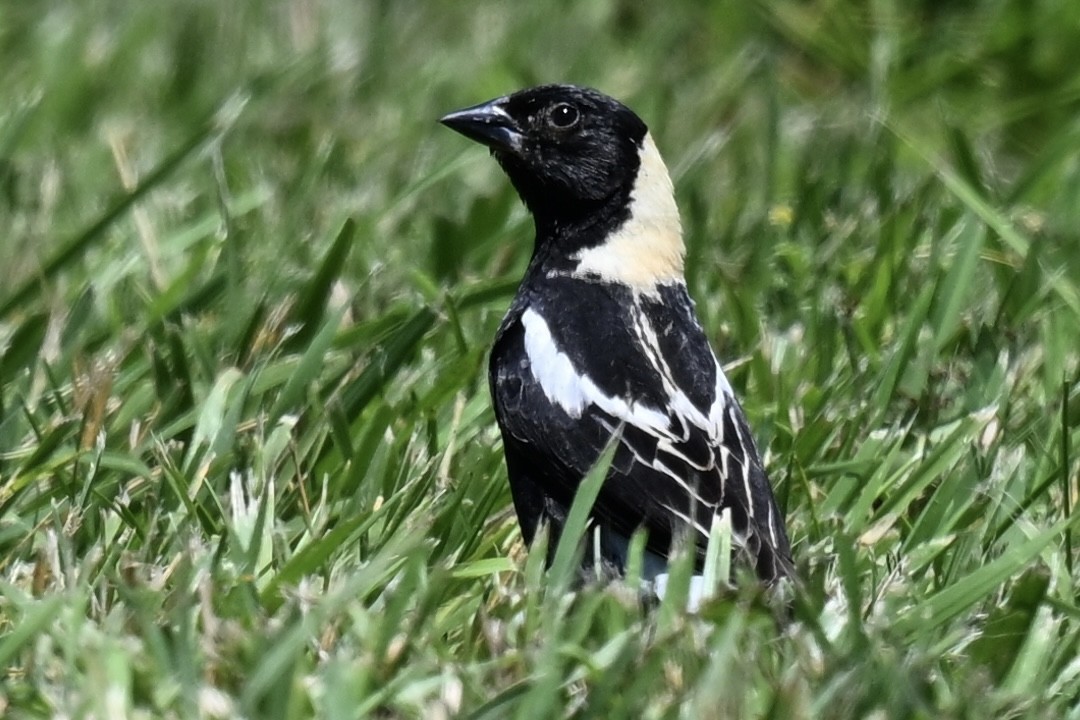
point(558, 144)
point(584, 164)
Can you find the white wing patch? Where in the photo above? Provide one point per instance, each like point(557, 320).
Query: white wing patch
point(552, 368)
point(573, 391)
point(673, 426)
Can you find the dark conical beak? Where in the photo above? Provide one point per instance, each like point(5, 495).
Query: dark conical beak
point(489, 124)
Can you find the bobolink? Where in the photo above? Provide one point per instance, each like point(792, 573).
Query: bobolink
point(602, 341)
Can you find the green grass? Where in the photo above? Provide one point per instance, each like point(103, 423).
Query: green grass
point(248, 464)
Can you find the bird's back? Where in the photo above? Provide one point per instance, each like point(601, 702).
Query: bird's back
point(578, 361)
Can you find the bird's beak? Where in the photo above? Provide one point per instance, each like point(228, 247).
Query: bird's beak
point(489, 124)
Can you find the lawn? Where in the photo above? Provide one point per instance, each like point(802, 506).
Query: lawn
point(248, 462)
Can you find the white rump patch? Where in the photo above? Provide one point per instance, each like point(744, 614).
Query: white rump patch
point(696, 596)
point(648, 248)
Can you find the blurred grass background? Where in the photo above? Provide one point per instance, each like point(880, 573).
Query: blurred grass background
point(248, 466)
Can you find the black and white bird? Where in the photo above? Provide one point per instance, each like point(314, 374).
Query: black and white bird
point(602, 341)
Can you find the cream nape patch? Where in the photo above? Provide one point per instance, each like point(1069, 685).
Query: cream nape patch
point(647, 249)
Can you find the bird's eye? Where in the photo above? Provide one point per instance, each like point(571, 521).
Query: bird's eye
point(563, 116)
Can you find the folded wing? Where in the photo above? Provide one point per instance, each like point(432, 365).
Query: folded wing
point(645, 374)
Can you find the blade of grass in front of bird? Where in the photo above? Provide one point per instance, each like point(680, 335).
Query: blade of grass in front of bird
point(548, 682)
point(567, 552)
point(635, 560)
point(675, 588)
point(724, 668)
point(717, 571)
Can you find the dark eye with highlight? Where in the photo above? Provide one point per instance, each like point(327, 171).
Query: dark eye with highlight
point(563, 115)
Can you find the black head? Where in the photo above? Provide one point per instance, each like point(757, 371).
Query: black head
point(568, 150)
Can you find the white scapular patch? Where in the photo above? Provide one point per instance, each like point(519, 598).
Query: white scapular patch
point(695, 597)
point(743, 443)
point(572, 390)
point(723, 397)
point(559, 380)
point(680, 403)
point(648, 248)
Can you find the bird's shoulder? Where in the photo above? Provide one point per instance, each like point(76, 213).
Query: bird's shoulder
point(628, 344)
